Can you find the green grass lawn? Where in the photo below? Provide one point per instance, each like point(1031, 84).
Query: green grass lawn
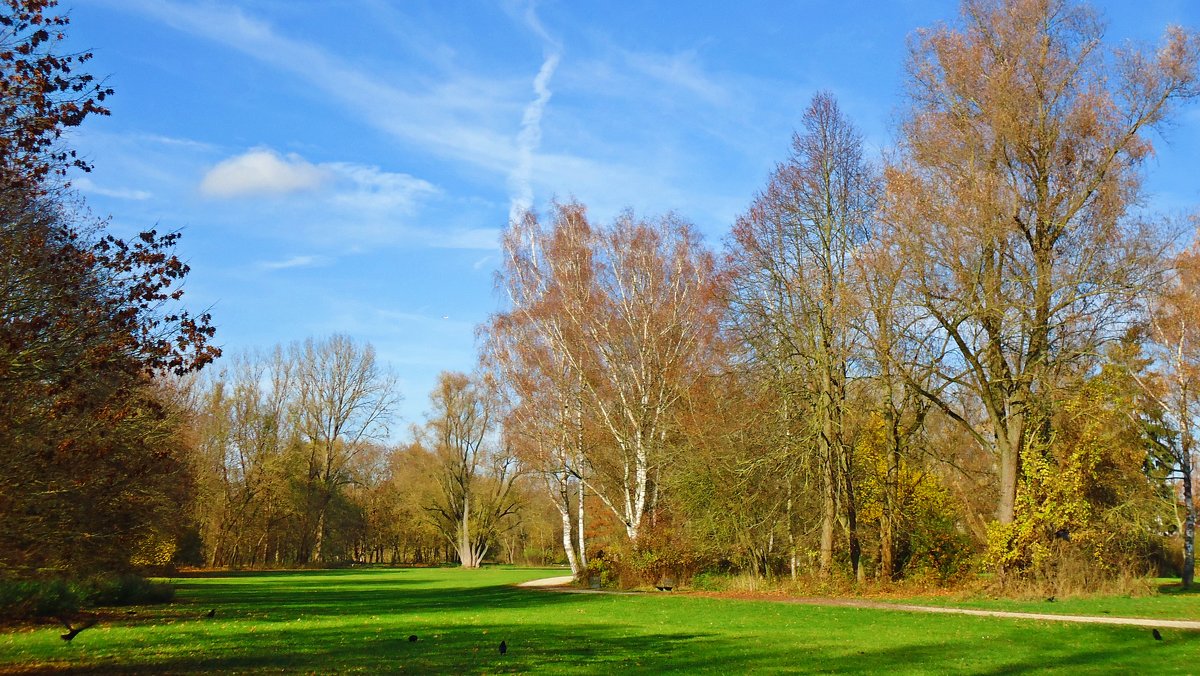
point(360, 620)
point(1172, 603)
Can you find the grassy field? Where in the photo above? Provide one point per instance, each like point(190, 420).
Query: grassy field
point(345, 621)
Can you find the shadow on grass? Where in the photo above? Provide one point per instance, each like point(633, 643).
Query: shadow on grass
point(607, 648)
point(1177, 589)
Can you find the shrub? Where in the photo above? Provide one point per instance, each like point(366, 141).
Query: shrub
point(125, 590)
point(27, 599)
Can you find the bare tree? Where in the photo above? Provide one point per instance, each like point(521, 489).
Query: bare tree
point(346, 400)
point(476, 475)
point(1021, 150)
point(246, 424)
point(791, 258)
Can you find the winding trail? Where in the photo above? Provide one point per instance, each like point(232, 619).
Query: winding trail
point(558, 584)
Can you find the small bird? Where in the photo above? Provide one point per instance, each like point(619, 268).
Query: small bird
point(72, 632)
point(503, 647)
point(211, 614)
point(1157, 636)
point(412, 638)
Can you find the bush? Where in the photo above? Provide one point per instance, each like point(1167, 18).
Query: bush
point(125, 590)
point(20, 600)
point(27, 599)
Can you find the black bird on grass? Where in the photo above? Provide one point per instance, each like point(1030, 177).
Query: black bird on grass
point(412, 638)
point(72, 632)
point(1157, 636)
point(503, 647)
point(211, 614)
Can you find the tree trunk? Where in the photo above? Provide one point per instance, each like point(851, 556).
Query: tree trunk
point(1189, 526)
point(466, 553)
point(1009, 446)
point(582, 553)
point(564, 510)
point(319, 541)
point(828, 515)
point(790, 534)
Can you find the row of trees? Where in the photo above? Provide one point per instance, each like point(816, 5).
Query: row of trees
point(292, 467)
point(983, 343)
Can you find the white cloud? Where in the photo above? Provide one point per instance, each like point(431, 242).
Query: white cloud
point(262, 171)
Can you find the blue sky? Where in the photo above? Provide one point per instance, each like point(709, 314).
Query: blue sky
point(347, 166)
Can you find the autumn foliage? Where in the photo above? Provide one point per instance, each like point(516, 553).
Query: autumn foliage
point(94, 468)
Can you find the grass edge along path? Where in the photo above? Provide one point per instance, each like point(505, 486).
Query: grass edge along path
point(559, 584)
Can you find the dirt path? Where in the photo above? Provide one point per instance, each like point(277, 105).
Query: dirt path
point(558, 584)
point(548, 582)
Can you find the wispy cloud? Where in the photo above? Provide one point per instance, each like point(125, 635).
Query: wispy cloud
point(262, 171)
point(472, 238)
point(86, 184)
point(472, 118)
point(521, 179)
point(454, 116)
point(311, 261)
point(678, 71)
point(372, 188)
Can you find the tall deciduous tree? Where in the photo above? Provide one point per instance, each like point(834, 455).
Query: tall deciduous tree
point(477, 501)
point(537, 351)
point(346, 400)
point(94, 462)
point(1020, 157)
point(791, 259)
point(628, 317)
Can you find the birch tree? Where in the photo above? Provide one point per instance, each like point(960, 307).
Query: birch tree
point(630, 312)
point(535, 347)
